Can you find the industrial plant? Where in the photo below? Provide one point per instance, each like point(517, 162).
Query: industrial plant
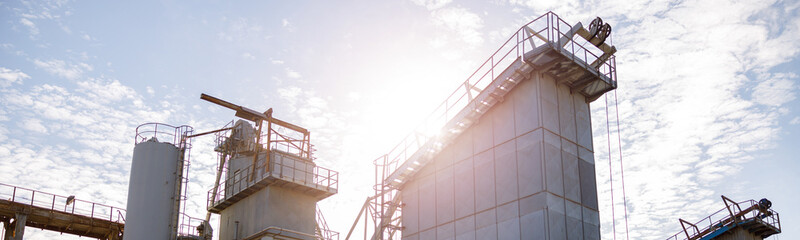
point(507, 155)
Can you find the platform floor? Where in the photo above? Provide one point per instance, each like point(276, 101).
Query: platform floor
point(64, 222)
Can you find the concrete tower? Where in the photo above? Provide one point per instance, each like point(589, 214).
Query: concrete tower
point(271, 184)
point(516, 160)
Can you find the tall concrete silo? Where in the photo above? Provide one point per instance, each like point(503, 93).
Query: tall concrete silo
point(512, 157)
point(155, 182)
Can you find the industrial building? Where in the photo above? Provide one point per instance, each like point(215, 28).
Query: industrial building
point(513, 148)
point(507, 155)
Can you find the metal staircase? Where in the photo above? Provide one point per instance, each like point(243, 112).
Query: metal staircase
point(539, 46)
point(754, 217)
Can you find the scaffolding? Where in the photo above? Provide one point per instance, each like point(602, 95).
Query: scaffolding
point(578, 57)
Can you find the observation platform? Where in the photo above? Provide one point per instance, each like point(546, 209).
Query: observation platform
point(52, 212)
point(286, 170)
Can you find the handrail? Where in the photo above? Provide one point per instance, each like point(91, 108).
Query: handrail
point(325, 231)
point(319, 176)
point(175, 135)
point(58, 203)
point(188, 225)
point(289, 140)
point(280, 232)
point(728, 215)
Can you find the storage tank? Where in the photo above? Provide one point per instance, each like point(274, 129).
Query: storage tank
point(155, 182)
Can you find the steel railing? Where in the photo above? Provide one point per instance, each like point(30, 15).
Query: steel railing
point(188, 225)
point(286, 168)
point(324, 231)
point(58, 203)
point(164, 133)
point(289, 141)
point(723, 217)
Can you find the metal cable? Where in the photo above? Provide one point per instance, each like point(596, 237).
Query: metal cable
point(621, 168)
point(610, 175)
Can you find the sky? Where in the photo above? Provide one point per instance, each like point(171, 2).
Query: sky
point(707, 97)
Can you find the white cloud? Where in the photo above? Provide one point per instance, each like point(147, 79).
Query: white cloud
point(353, 96)
point(63, 69)
point(795, 121)
point(87, 37)
point(248, 56)
point(290, 94)
point(775, 90)
point(241, 29)
point(87, 140)
point(31, 26)
point(690, 112)
point(284, 22)
point(432, 4)
point(276, 62)
point(292, 74)
point(8, 76)
point(105, 91)
point(33, 125)
point(462, 23)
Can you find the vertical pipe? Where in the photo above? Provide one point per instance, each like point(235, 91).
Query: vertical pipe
point(365, 226)
point(19, 228)
point(269, 142)
point(236, 231)
point(257, 147)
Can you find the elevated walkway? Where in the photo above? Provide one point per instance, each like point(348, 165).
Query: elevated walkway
point(57, 213)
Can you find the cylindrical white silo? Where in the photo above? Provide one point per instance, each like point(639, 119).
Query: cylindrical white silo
point(152, 191)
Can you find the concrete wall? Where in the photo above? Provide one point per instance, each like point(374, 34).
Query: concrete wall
point(271, 206)
point(524, 171)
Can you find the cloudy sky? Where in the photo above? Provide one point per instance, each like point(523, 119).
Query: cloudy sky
point(707, 97)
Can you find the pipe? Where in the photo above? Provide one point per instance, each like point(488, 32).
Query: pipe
point(236, 231)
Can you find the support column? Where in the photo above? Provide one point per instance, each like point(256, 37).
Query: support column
point(7, 229)
point(19, 225)
point(114, 235)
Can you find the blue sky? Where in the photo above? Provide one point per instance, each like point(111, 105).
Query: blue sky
point(707, 91)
